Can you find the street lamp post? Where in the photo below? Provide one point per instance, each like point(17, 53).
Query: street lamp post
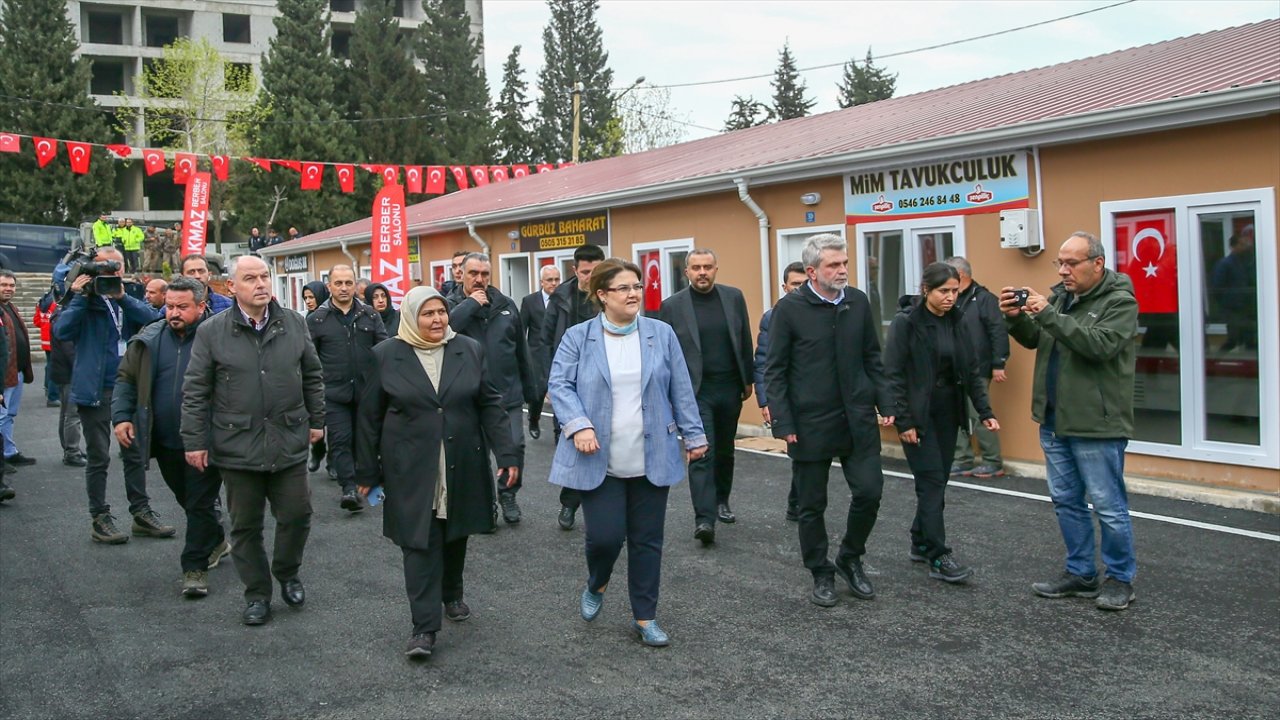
point(577, 110)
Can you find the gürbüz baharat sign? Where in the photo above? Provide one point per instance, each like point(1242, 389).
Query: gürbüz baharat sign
point(568, 231)
point(986, 184)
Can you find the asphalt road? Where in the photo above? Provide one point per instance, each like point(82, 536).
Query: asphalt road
point(94, 631)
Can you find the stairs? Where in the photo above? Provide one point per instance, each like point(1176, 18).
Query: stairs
point(31, 287)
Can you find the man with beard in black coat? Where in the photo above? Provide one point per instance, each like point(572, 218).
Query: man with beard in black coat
point(825, 382)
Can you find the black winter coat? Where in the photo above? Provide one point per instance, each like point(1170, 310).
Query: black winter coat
point(499, 330)
point(823, 375)
point(62, 354)
point(345, 351)
point(400, 424)
point(984, 324)
point(911, 367)
point(566, 308)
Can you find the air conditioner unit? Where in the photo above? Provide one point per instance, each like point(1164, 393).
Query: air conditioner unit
point(1020, 229)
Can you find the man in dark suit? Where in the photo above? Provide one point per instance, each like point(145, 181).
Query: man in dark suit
point(825, 382)
point(532, 309)
point(715, 335)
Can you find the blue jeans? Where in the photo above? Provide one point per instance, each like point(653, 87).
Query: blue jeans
point(12, 401)
point(1082, 470)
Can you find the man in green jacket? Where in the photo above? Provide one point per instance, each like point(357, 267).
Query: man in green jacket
point(132, 238)
point(102, 231)
point(1083, 335)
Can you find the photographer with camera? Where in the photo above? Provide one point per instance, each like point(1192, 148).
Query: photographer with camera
point(100, 319)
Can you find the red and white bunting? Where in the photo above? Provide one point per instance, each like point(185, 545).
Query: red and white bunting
point(221, 163)
point(479, 175)
point(153, 161)
point(184, 166)
point(312, 176)
point(79, 154)
point(413, 178)
point(459, 173)
point(500, 173)
point(390, 174)
point(263, 163)
point(519, 171)
point(46, 150)
point(124, 152)
point(346, 177)
point(435, 180)
point(545, 167)
point(9, 142)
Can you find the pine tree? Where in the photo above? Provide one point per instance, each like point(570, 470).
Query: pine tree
point(47, 94)
point(573, 52)
point(514, 139)
point(455, 84)
point(747, 112)
point(864, 83)
point(788, 89)
point(304, 113)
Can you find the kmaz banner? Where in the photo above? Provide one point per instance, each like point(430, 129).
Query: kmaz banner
point(195, 214)
point(390, 249)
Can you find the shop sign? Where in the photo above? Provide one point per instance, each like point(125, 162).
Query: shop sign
point(295, 263)
point(986, 184)
point(413, 251)
point(565, 232)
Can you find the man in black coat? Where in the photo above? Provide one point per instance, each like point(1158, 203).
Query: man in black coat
point(711, 323)
point(62, 357)
point(17, 371)
point(825, 382)
point(533, 308)
point(344, 331)
point(793, 278)
point(984, 324)
point(481, 312)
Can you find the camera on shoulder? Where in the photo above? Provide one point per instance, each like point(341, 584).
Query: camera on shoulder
point(105, 283)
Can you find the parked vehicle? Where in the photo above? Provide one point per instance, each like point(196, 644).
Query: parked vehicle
point(34, 248)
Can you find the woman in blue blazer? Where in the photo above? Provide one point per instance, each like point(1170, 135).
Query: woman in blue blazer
point(621, 390)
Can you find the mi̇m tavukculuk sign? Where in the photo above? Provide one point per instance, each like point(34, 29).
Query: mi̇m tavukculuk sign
point(985, 184)
point(567, 231)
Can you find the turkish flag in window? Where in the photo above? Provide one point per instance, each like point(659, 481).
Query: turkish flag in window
point(651, 264)
point(1146, 251)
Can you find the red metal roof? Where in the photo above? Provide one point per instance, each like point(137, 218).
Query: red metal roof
point(1237, 57)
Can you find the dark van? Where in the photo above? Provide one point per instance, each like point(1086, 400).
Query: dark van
point(34, 248)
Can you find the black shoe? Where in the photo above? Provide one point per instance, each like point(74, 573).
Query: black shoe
point(292, 592)
point(314, 463)
point(457, 611)
point(853, 574)
point(20, 460)
point(705, 532)
point(1067, 585)
point(946, 569)
point(493, 519)
point(351, 501)
point(421, 645)
point(258, 612)
point(824, 591)
point(6, 492)
point(510, 510)
point(53, 403)
point(534, 431)
point(10, 469)
point(74, 460)
point(566, 517)
point(793, 513)
point(724, 514)
point(1115, 595)
point(916, 554)
point(332, 475)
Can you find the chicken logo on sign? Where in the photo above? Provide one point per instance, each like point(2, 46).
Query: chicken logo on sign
point(978, 196)
point(881, 205)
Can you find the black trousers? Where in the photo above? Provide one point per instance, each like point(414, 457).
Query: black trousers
point(339, 425)
point(930, 463)
point(535, 412)
point(290, 496)
point(866, 482)
point(196, 492)
point(95, 423)
point(131, 260)
point(711, 476)
point(515, 416)
point(569, 497)
point(433, 576)
point(633, 510)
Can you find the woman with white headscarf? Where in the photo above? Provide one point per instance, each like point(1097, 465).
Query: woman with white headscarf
point(427, 420)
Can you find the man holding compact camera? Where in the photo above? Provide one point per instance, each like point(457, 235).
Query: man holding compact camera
point(100, 319)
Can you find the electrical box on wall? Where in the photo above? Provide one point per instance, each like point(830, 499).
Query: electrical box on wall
point(1020, 229)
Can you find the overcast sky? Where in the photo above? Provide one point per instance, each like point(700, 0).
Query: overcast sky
point(681, 41)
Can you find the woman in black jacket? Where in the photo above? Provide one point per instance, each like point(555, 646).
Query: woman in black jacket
point(379, 298)
point(930, 366)
point(314, 294)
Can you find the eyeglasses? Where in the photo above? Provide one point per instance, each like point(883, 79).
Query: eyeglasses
point(1071, 264)
point(637, 289)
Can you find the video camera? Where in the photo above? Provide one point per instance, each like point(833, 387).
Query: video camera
point(83, 261)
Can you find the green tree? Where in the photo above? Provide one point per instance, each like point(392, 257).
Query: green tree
point(573, 52)
point(747, 112)
point(456, 89)
point(303, 120)
point(864, 83)
point(645, 120)
point(514, 139)
point(47, 94)
point(788, 89)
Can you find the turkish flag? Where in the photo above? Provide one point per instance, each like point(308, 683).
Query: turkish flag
point(153, 161)
point(1146, 251)
point(437, 276)
point(184, 166)
point(346, 177)
point(221, 163)
point(312, 176)
point(480, 175)
point(263, 163)
point(9, 142)
point(79, 154)
point(294, 165)
point(519, 171)
point(435, 180)
point(564, 165)
point(500, 173)
point(413, 178)
point(375, 169)
point(46, 150)
point(459, 173)
point(124, 152)
point(652, 264)
point(545, 167)
point(390, 174)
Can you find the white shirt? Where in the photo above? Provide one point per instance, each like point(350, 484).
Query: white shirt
point(626, 444)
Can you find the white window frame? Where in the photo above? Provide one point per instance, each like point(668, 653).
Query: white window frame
point(507, 258)
point(563, 260)
point(431, 271)
point(1186, 209)
point(666, 247)
point(780, 238)
point(909, 227)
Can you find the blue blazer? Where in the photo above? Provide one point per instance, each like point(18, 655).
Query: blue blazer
point(583, 398)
